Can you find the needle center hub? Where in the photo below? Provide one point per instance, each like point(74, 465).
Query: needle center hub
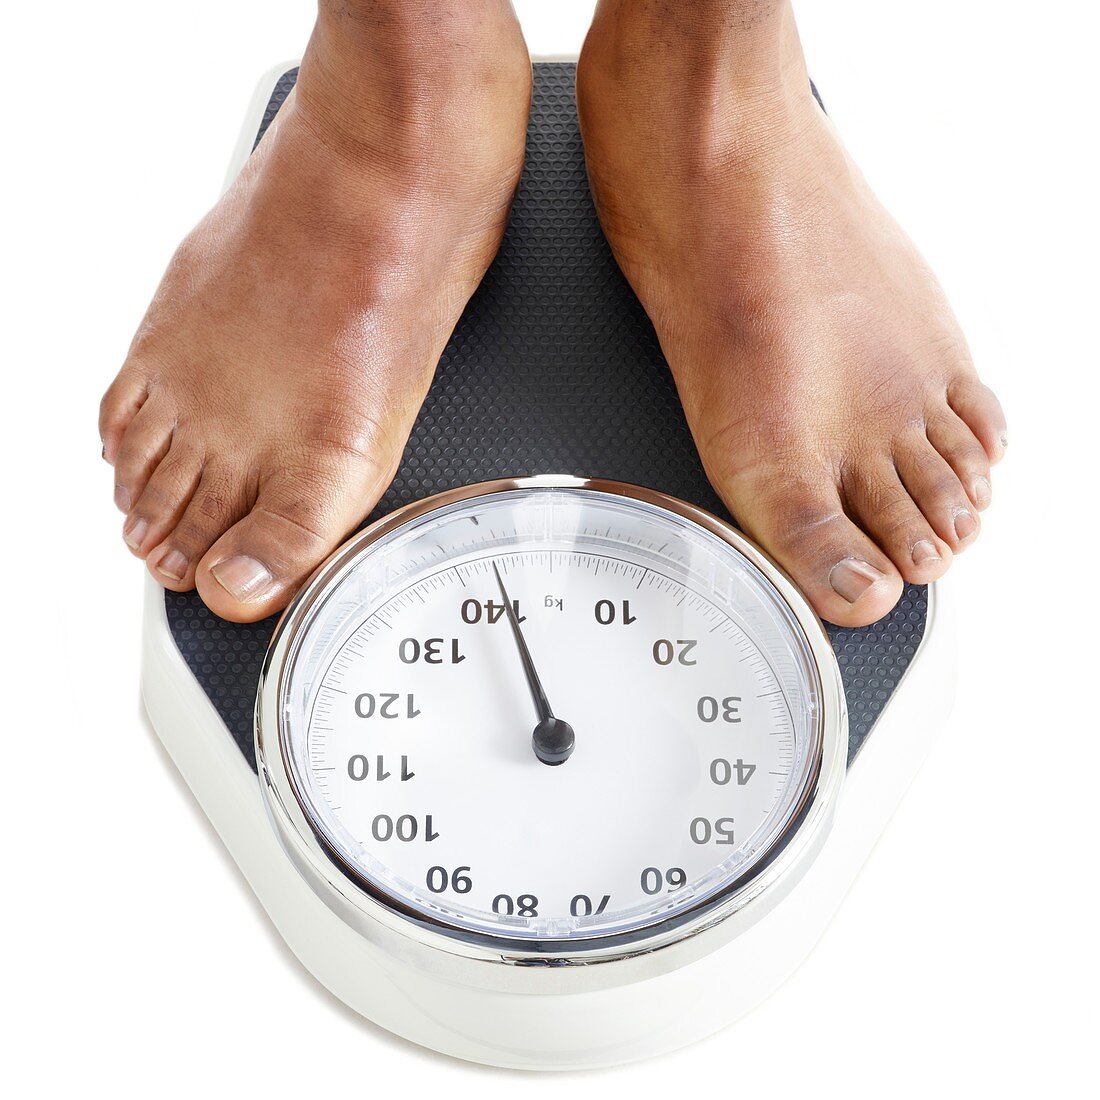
point(553, 741)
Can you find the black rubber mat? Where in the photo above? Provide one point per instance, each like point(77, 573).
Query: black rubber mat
point(554, 368)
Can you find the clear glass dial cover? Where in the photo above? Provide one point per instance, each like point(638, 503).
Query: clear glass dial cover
point(406, 719)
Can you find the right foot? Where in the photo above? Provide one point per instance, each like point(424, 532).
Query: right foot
point(269, 392)
point(827, 384)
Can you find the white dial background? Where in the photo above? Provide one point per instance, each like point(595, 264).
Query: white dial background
point(408, 718)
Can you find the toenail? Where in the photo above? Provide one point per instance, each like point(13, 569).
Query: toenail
point(852, 577)
point(965, 524)
point(925, 551)
point(122, 498)
point(133, 534)
point(173, 565)
point(243, 577)
point(983, 492)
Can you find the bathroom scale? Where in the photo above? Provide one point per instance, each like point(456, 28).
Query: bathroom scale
point(548, 766)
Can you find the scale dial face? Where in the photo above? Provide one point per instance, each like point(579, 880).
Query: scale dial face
point(687, 673)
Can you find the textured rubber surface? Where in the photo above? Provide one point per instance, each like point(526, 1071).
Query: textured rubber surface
point(554, 368)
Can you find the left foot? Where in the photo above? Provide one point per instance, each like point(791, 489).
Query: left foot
point(825, 379)
point(269, 393)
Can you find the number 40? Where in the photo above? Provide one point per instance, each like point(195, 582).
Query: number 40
point(723, 772)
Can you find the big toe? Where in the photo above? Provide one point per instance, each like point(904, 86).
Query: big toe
point(258, 565)
point(802, 525)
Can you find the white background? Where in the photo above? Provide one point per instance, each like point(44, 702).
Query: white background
point(964, 959)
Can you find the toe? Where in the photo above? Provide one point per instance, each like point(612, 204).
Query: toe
point(802, 524)
point(166, 495)
point(145, 443)
point(939, 493)
point(882, 506)
point(299, 518)
point(221, 497)
point(119, 406)
point(951, 436)
point(977, 406)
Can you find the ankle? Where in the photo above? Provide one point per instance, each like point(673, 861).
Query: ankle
point(742, 51)
point(721, 80)
point(409, 37)
point(407, 63)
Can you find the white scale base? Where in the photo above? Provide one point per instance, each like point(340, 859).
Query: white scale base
point(524, 1030)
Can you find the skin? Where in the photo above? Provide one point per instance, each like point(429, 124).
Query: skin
point(827, 383)
point(269, 392)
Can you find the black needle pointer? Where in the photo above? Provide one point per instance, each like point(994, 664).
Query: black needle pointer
point(552, 739)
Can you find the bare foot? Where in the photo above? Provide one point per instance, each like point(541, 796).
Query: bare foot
point(825, 379)
point(269, 393)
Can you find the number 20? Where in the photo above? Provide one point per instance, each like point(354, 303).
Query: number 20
point(665, 652)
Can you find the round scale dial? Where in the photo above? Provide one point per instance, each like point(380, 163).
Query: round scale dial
point(548, 715)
